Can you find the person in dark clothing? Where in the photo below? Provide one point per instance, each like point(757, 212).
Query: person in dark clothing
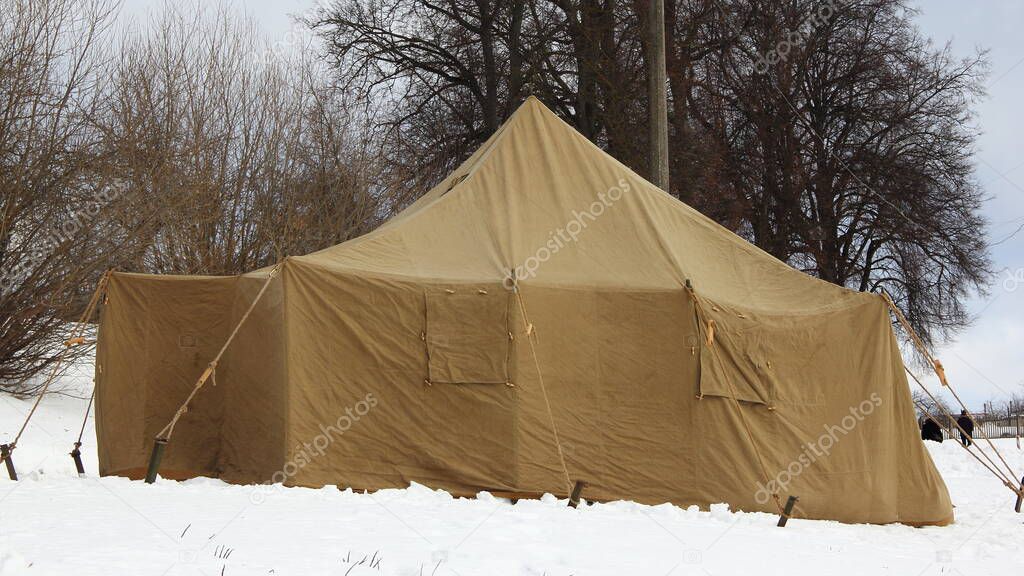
point(967, 427)
point(930, 431)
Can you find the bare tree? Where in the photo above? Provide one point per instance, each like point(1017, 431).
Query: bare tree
point(50, 193)
point(832, 135)
point(188, 148)
point(841, 143)
point(450, 73)
point(234, 158)
point(925, 405)
point(849, 150)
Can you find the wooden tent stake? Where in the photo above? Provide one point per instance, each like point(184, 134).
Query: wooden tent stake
point(76, 455)
point(76, 452)
point(577, 490)
point(5, 453)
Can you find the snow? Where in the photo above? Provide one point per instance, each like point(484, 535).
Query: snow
point(53, 522)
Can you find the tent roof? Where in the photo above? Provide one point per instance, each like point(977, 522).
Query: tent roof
point(541, 198)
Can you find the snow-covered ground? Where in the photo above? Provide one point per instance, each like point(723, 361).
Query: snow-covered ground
point(53, 522)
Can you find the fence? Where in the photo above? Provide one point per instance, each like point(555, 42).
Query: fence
point(993, 425)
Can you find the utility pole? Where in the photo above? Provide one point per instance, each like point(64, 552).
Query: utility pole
point(657, 97)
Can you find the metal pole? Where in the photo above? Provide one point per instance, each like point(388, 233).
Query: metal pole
point(657, 94)
point(787, 511)
point(154, 460)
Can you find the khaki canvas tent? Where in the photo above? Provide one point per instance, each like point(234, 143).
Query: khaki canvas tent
point(406, 355)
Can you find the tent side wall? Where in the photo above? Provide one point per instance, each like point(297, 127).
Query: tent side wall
point(644, 411)
point(371, 403)
point(922, 493)
point(830, 412)
point(641, 402)
point(156, 336)
point(253, 379)
point(619, 370)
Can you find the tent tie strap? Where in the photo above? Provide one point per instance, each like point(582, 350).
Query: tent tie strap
point(208, 374)
point(940, 370)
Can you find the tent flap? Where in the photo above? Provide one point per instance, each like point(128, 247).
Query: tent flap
point(468, 335)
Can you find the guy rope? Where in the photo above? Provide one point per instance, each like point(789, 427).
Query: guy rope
point(77, 338)
point(1008, 476)
point(530, 335)
point(989, 465)
point(161, 440)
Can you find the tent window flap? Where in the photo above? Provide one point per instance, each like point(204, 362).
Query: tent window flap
point(739, 363)
point(467, 335)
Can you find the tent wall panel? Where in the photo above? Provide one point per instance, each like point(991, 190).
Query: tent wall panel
point(363, 346)
point(158, 333)
point(621, 383)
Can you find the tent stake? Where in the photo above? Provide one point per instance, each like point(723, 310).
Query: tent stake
point(788, 510)
point(5, 453)
point(1020, 496)
point(76, 455)
point(577, 489)
point(154, 460)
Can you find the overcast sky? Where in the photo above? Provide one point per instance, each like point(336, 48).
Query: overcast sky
point(985, 360)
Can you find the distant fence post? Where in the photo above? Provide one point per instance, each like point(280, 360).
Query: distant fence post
point(1018, 431)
